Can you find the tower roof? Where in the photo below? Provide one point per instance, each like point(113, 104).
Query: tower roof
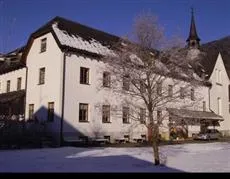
point(193, 34)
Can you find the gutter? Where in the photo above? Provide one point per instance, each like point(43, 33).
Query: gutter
point(63, 100)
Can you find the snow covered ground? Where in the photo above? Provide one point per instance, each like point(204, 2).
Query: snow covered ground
point(208, 157)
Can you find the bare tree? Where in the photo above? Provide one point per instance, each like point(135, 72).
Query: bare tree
point(150, 80)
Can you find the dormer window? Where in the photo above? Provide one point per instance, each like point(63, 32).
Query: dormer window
point(43, 45)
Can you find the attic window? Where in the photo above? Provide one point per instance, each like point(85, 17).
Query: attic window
point(43, 45)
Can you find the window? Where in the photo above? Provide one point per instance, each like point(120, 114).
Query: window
point(8, 86)
point(43, 45)
point(218, 76)
point(159, 89)
point(106, 113)
point(204, 106)
point(31, 111)
point(127, 138)
point(142, 115)
point(142, 87)
point(143, 136)
point(126, 82)
point(219, 106)
point(170, 90)
point(83, 112)
point(42, 76)
point(228, 92)
point(84, 75)
point(106, 79)
point(107, 137)
point(19, 83)
point(192, 94)
point(182, 93)
point(50, 111)
point(125, 116)
point(159, 115)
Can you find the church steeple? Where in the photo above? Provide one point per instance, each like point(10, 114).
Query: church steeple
point(193, 39)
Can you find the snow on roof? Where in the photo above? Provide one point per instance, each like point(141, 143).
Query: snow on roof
point(77, 42)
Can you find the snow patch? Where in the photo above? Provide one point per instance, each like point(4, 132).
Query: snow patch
point(78, 42)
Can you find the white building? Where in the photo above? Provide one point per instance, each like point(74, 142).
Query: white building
point(217, 69)
point(12, 84)
point(62, 81)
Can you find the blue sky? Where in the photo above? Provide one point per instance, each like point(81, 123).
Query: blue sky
point(19, 18)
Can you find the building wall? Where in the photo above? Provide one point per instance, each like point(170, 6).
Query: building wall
point(95, 96)
point(51, 91)
point(220, 90)
point(12, 76)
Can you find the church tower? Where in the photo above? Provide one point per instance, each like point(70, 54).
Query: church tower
point(193, 40)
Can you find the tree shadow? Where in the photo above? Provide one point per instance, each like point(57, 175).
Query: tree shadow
point(75, 160)
point(119, 163)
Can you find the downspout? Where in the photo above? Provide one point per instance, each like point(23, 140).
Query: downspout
point(63, 100)
point(25, 92)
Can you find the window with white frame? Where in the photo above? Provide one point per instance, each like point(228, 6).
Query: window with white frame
point(142, 115)
point(50, 116)
point(84, 75)
point(42, 76)
point(106, 79)
point(125, 115)
point(218, 76)
point(182, 93)
point(31, 111)
point(126, 83)
point(219, 105)
point(83, 112)
point(159, 89)
point(8, 86)
point(192, 94)
point(43, 45)
point(170, 90)
point(106, 113)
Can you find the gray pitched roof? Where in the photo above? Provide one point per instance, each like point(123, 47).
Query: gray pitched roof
point(212, 50)
point(189, 114)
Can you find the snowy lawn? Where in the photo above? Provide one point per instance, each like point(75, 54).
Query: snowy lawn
point(208, 157)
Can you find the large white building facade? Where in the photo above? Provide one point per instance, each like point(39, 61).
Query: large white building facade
point(61, 82)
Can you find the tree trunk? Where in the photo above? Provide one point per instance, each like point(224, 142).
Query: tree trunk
point(155, 145)
point(154, 137)
point(156, 152)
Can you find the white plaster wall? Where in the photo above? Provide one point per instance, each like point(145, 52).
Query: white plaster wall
point(220, 90)
point(95, 96)
point(13, 77)
point(51, 91)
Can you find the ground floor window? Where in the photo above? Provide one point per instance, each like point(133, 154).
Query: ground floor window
point(83, 112)
point(31, 111)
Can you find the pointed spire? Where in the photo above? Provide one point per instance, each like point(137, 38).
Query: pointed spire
point(193, 39)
